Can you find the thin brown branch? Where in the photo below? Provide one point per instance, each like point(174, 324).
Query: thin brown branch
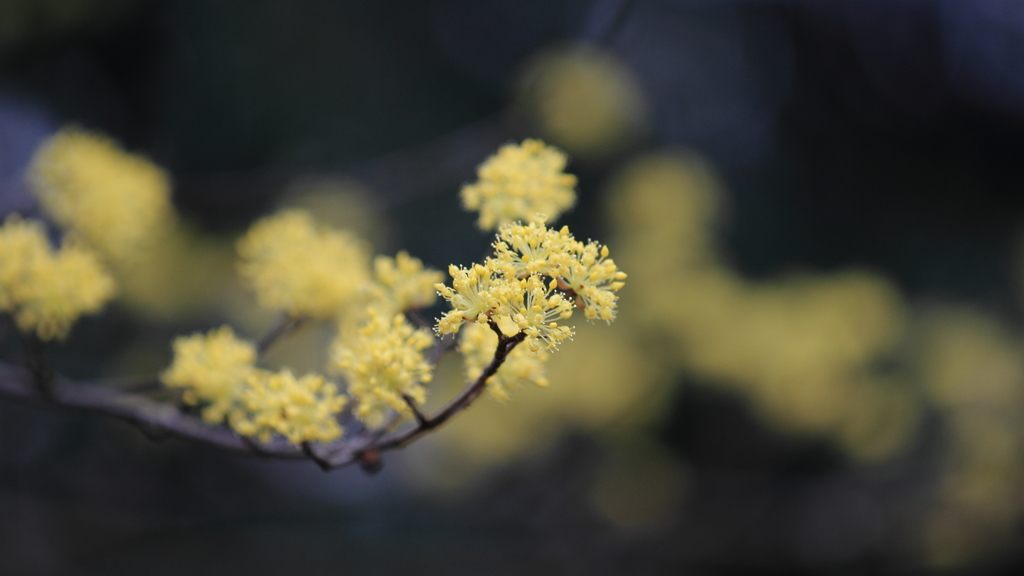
point(157, 419)
point(35, 362)
point(136, 409)
point(285, 326)
point(462, 401)
point(420, 418)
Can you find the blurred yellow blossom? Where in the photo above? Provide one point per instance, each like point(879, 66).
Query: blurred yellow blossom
point(211, 369)
point(584, 99)
point(972, 370)
point(300, 409)
point(113, 199)
point(22, 242)
point(382, 362)
point(47, 291)
point(967, 358)
point(518, 182)
point(301, 268)
point(477, 344)
point(405, 284)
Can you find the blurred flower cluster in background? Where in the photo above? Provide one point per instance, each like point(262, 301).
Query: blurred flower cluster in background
point(818, 360)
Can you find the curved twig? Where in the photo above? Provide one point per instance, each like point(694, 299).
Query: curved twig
point(42, 385)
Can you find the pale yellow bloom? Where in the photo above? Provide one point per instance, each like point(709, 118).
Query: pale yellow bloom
point(382, 362)
point(22, 242)
point(47, 291)
point(534, 248)
point(518, 182)
point(522, 366)
point(300, 268)
point(536, 309)
point(211, 369)
point(595, 279)
point(532, 283)
point(404, 283)
point(472, 296)
point(300, 409)
point(584, 99)
point(113, 199)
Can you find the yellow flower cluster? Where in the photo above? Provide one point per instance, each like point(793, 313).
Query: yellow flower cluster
point(300, 409)
point(519, 181)
point(218, 369)
point(477, 344)
point(804, 349)
point(584, 270)
point(301, 268)
point(114, 200)
point(536, 278)
point(210, 368)
point(402, 283)
point(584, 99)
point(382, 362)
point(47, 291)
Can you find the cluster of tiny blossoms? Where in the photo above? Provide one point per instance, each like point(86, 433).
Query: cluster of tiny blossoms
point(402, 283)
point(536, 279)
point(301, 268)
point(519, 181)
point(114, 200)
point(537, 276)
point(209, 369)
point(114, 205)
point(384, 364)
point(300, 409)
point(47, 290)
point(306, 270)
point(218, 370)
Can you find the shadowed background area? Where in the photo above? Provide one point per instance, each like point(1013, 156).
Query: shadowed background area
point(819, 361)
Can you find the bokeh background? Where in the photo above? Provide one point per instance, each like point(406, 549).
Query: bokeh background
point(819, 361)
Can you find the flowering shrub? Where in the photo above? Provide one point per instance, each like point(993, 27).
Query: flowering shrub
point(516, 305)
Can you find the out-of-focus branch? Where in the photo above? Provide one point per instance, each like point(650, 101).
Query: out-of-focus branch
point(157, 419)
point(137, 409)
point(286, 325)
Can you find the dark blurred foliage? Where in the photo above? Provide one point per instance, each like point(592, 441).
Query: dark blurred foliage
point(869, 132)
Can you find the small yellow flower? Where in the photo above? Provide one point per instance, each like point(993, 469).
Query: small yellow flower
point(536, 310)
point(300, 268)
point(472, 296)
point(22, 242)
point(405, 283)
point(211, 368)
point(382, 362)
point(113, 199)
point(595, 279)
point(300, 409)
point(534, 248)
point(477, 344)
point(47, 291)
point(518, 182)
